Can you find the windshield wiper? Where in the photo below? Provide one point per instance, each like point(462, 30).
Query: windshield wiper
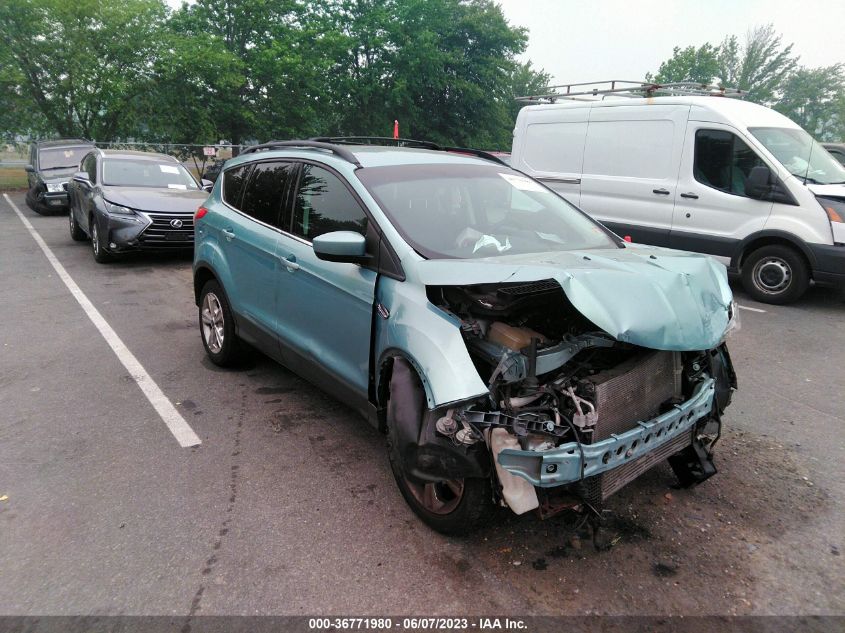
point(805, 179)
point(57, 167)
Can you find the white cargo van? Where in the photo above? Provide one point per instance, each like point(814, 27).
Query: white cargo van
point(701, 173)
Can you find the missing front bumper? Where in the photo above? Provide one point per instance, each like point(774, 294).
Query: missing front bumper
point(569, 463)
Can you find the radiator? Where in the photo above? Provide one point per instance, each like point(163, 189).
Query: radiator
point(631, 392)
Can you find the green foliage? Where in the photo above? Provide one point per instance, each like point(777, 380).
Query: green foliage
point(689, 64)
point(813, 98)
point(760, 66)
point(80, 65)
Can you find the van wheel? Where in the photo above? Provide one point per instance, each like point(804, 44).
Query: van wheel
point(775, 274)
point(454, 507)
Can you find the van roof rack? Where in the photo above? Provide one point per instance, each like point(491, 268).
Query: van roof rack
point(591, 90)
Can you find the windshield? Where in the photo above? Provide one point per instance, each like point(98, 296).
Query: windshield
point(474, 211)
point(128, 172)
point(61, 157)
point(803, 156)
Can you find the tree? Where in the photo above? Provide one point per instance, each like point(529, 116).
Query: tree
point(524, 80)
point(813, 97)
point(81, 65)
point(689, 64)
point(760, 66)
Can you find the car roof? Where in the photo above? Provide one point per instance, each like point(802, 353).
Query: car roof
point(373, 156)
point(127, 153)
point(63, 142)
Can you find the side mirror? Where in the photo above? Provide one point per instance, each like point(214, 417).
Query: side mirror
point(759, 183)
point(29, 169)
point(207, 185)
point(341, 246)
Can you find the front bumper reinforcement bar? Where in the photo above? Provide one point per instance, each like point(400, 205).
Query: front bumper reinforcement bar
point(568, 463)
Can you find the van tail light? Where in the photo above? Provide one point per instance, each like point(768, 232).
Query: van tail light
point(627, 238)
point(200, 213)
point(833, 215)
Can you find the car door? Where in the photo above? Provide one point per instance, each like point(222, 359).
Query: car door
point(84, 191)
point(325, 308)
point(630, 171)
point(712, 213)
point(248, 238)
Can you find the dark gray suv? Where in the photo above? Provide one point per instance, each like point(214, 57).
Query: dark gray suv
point(51, 164)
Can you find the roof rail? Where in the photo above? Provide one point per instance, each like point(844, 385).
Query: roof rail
point(377, 140)
point(635, 89)
point(408, 142)
point(341, 152)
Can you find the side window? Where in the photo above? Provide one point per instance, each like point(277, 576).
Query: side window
point(262, 198)
point(723, 161)
point(89, 165)
point(324, 204)
point(233, 184)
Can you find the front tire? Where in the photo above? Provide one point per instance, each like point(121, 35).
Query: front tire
point(101, 256)
point(454, 507)
point(775, 274)
point(76, 233)
point(217, 326)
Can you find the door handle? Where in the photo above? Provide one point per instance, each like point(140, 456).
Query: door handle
point(229, 234)
point(289, 262)
point(661, 192)
point(691, 196)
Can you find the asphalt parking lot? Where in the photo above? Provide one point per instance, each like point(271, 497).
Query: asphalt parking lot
point(288, 505)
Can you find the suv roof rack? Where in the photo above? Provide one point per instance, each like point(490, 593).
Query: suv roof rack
point(341, 152)
point(589, 90)
point(408, 142)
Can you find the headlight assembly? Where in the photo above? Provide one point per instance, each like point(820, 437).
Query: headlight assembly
point(55, 187)
point(118, 209)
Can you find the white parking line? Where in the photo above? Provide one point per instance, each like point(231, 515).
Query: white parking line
point(183, 433)
point(750, 309)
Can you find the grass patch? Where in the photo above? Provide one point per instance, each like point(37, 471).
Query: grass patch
point(12, 178)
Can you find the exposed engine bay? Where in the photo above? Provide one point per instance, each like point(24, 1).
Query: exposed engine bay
point(555, 379)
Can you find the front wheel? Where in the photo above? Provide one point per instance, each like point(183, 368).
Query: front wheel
point(775, 274)
point(101, 256)
point(453, 507)
point(76, 232)
point(217, 326)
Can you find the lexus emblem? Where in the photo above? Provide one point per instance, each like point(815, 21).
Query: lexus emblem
point(176, 224)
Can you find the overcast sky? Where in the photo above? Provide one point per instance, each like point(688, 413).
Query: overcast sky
point(624, 39)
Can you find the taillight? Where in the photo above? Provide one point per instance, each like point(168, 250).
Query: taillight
point(200, 213)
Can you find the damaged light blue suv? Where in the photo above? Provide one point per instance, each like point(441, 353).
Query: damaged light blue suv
point(515, 352)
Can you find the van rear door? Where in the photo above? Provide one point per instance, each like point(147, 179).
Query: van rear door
point(549, 145)
point(630, 168)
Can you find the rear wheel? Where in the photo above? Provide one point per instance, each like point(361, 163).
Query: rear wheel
point(452, 507)
point(775, 274)
point(217, 326)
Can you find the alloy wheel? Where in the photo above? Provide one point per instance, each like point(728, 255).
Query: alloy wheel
point(212, 323)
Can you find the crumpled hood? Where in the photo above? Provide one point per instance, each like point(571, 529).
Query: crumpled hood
point(652, 297)
point(156, 199)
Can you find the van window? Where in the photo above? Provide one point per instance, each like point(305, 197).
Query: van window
point(637, 149)
point(555, 147)
point(723, 161)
